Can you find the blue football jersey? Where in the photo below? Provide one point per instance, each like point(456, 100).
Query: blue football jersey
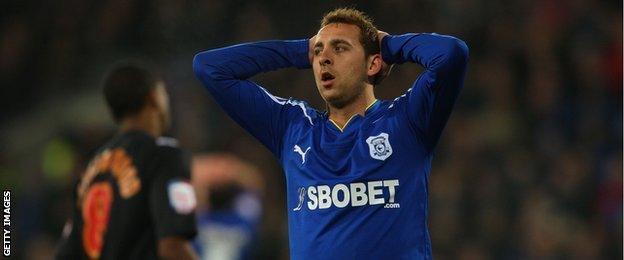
point(361, 191)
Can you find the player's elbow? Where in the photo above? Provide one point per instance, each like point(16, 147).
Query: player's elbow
point(457, 50)
point(460, 49)
point(206, 71)
point(455, 57)
point(198, 66)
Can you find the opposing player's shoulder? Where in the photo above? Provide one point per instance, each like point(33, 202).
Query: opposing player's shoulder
point(167, 146)
point(170, 155)
point(168, 150)
point(164, 141)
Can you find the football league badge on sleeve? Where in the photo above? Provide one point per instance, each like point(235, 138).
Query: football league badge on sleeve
point(181, 196)
point(379, 146)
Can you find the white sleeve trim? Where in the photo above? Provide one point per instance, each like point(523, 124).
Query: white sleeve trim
point(283, 101)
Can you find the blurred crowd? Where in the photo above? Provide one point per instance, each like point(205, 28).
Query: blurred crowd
point(529, 165)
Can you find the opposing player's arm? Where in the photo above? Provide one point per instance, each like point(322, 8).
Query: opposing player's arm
point(172, 204)
point(225, 72)
point(428, 103)
point(69, 246)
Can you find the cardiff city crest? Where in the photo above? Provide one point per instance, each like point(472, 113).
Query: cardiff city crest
point(379, 146)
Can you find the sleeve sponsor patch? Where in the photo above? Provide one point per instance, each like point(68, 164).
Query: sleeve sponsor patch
point(181, 196)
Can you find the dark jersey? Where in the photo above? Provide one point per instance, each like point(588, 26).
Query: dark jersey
point(135, 191)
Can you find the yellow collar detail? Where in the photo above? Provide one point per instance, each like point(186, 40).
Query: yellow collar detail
point(345, 125)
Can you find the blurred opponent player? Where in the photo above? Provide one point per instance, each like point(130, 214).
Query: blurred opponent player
point(357, 175)
point(134, 201)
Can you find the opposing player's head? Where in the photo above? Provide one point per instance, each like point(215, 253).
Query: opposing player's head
point(132, 91)
point(346, 56)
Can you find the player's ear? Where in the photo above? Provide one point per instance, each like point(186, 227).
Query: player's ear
point(374, 63)
point(151, 100)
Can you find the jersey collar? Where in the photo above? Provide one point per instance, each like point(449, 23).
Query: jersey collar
point(370, 108)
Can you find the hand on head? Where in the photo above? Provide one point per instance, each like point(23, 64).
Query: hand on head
point(385, 67)
point(311, 48)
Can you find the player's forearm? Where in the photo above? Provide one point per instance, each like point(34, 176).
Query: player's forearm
point(445, 59)
point(440, 53)
point(248, 59)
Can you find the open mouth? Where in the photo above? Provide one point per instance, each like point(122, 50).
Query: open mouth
point(327, 78)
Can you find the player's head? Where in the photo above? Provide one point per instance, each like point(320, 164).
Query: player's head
point(346, 56)
point(133, 91)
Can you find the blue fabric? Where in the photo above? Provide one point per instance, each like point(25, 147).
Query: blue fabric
point(361, 193)
point(224, 231)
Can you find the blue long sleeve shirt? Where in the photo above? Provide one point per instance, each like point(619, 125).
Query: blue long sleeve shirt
point(355, 193)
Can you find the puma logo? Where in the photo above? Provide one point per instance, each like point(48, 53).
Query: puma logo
point(301, 152)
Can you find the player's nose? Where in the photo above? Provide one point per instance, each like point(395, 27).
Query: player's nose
point(324, 59)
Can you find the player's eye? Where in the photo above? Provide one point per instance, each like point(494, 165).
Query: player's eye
point(317, 51)
point(339, 49)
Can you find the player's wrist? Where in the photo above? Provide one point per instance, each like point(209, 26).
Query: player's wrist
point(298, 53)
point(381, 35)
point(387, 54)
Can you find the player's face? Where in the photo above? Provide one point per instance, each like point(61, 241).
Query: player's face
point(339, 64)
point(162, 104)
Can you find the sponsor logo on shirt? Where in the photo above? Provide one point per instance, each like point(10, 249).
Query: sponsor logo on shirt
point(355, 194)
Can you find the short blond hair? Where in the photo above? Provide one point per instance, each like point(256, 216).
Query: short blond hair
point(368, 32)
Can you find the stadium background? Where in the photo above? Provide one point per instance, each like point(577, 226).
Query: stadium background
point(529, 166)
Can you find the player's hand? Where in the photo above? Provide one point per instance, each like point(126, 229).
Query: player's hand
point(381, 35)
point(312, 41)
point(385, 67)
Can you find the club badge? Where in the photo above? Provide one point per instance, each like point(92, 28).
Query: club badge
point(379, 146)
